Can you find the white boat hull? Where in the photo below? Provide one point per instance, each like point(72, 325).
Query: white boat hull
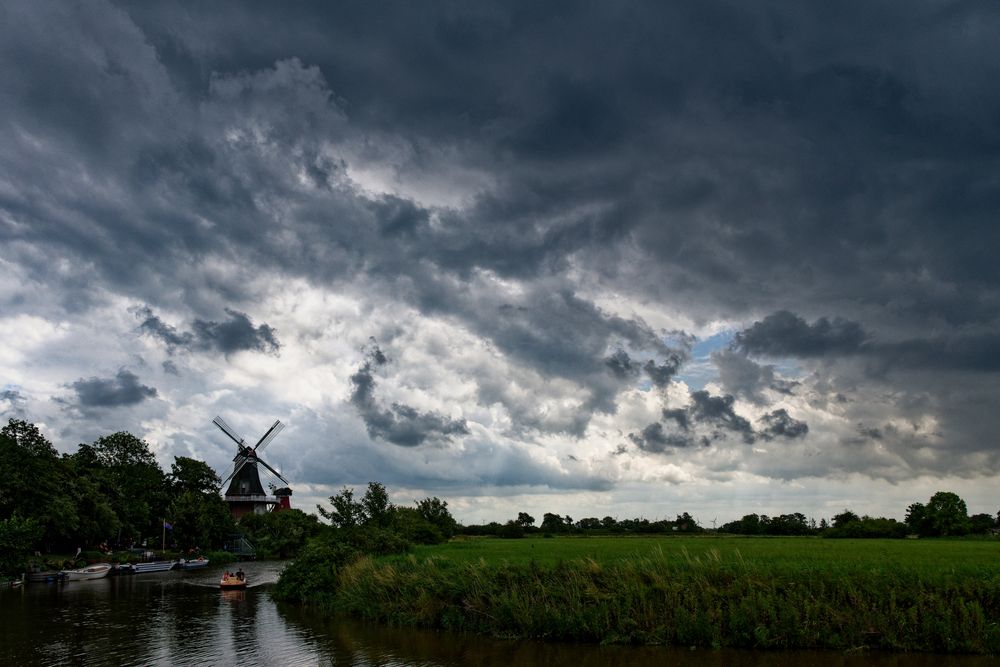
point(98, 571)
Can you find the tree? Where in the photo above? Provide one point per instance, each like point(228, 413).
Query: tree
point(280, 534)
point(346, 511)
point(378, 509)
point(127, 473)
point(17, 535)
point(435, 512)
point(552, 523)
point(981, 524)
point(188, 474)
point(35, 483)
point(525, 520)
point(844, 518)
point(948, 514)
point(944, 514)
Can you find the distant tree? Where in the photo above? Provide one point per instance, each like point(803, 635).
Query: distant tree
point(981, 524)
point(944, 514)
point(525, 520)
point(609, 523)
point(436, 513)
point(948, 514)
point(511, 530)
point(844, 518)
point(685, 523)
point(412, 525)
point(378, 509)
point(750, 524)
point(553, 523)
point(589, 523)
point(917, 520)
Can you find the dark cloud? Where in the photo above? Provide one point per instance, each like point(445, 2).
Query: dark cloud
point(15, 402)
point(237, 334)
point(718, 411)
point(621, 365)
point(779, 424)
point(784, 334)
point(661, 374)
point(709, 162)
point(679, 416)
point(123, 389)
point(157, 328)
point(171, 368)
point(399, 424)
point(654, 438)
point(708, 418)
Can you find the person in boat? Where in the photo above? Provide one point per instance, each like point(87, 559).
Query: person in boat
point(240, 575)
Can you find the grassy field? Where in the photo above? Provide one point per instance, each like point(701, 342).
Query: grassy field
point(905, 595)
point(800, 555)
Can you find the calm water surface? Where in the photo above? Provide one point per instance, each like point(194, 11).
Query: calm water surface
point(182, 618)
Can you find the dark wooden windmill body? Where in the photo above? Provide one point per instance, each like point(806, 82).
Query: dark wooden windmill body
point(245, 493)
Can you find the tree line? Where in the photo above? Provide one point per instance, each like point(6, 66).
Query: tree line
point(109, 495)
point(944, 515)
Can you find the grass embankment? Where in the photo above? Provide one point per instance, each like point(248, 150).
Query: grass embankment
point(941, 596)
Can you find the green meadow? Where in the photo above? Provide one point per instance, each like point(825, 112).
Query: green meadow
point(904, 595)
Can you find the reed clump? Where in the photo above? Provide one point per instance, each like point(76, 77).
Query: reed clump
point(681, 599)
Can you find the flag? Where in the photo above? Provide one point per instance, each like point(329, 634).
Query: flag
point(167, 525)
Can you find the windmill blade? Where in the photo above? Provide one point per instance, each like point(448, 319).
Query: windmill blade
point(240, 462)
point(278, 474)
point(271, 434)
point(224, 427)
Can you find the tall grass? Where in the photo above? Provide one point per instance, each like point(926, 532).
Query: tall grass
point(683, 596)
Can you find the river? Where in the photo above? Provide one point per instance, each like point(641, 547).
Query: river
point(182, 618)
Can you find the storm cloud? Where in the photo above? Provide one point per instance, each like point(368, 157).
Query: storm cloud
point(399, 424)
point(677, 224)
point(237, 334)
point(123, 389)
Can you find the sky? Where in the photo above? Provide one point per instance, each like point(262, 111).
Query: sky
point(598, 259)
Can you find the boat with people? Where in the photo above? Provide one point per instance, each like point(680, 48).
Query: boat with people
point(95, 571)
point(195, 564)
point(233, 581)
point(155, 566)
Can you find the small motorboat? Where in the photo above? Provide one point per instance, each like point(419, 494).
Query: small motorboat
point(95, 571)
point(155, 566)
point(46, 575)
point(195, 564)
point(232, 582)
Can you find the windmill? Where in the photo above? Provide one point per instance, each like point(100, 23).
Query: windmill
point(245, 494)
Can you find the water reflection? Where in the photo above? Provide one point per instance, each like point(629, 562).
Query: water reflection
point(184, 619)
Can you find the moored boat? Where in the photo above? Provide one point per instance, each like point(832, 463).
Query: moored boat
point(195, 564)
point(95, 571)
point(155, 566)
point(232, 581)
point(46, 575)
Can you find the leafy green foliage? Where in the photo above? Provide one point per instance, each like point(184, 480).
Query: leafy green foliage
point(280, 534)
point(16, 537)
point(945, 514)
